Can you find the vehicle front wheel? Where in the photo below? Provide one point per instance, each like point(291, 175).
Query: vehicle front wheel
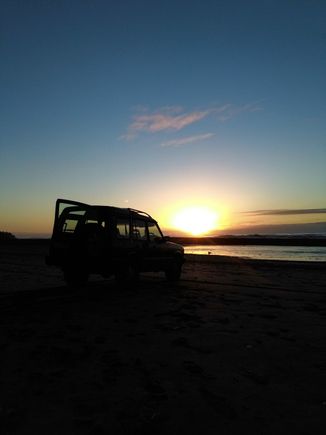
point(173, 272)
point(128, 274)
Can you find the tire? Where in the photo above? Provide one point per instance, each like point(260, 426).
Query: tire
point(75, 278)
point(173, 272)
point(127, 274)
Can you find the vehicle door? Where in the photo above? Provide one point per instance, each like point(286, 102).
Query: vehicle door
point(140, 244)
point(69, 218)
point(157, 245)
point(68, 215)
point(93, 235)
point(120, 245)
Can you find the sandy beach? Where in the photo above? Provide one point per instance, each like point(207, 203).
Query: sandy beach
point(236, 346)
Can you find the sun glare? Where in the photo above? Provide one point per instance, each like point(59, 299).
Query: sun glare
point(196, 220)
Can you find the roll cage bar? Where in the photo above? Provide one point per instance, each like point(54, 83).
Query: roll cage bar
point(81, 204)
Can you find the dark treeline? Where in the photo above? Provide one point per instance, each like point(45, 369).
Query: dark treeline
point(5, 235)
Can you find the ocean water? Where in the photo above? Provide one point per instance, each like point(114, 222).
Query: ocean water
point(289, 253)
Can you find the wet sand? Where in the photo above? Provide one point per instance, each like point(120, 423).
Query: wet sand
point(236, 346)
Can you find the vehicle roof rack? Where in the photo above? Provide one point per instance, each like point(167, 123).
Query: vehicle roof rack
point(140, 212)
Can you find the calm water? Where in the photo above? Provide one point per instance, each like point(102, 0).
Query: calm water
point(292, 253)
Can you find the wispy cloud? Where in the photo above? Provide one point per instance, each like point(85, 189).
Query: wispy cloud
point(187, 140)
point(284, 212)
point(167, 118)
point(175, 118)
point(229, 111)
point(160, 121)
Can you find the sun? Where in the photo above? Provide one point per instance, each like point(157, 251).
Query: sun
point(196, 220)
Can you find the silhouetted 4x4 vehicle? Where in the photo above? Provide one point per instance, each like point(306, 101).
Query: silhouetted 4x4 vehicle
point(109, 241)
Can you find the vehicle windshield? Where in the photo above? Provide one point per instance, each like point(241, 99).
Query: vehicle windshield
point(153, 231)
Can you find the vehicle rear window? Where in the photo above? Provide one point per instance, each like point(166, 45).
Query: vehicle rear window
point(71, 221)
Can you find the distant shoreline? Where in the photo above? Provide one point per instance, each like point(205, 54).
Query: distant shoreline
point(221, 240)
point(251, 240)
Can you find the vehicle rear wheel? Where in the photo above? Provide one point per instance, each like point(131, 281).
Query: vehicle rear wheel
point(173, 272)
point(75, 278)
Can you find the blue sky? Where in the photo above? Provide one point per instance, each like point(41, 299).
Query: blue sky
point(162, 104)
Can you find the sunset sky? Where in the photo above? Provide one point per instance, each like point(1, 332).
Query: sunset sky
point(164, 106)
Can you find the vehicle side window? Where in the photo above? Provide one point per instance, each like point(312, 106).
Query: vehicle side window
point(69, 225)
point(139, 230)
point(153, 231)
point(122, 228)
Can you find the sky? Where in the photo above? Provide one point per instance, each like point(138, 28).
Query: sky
point(164, 106)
